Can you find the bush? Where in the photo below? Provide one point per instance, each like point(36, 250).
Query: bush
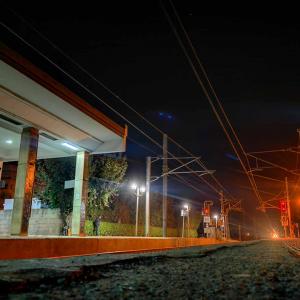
point(118, 229)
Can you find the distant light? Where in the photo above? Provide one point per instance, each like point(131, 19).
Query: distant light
point(186, 206)
point(133, 186)
point(142, 189)
point(216, 216)
point(8, 141)
point(275, 235)
point(70, 146)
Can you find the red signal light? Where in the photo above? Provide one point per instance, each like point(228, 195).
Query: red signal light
point(283, 206)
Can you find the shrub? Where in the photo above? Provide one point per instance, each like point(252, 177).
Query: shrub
point(118, 229)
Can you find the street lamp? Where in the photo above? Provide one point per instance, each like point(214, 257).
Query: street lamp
point(216, 217)
point(139, 191)
point(185, 212)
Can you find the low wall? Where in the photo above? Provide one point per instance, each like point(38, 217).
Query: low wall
point(48, 222)
point(43, 247)
point(41, 222)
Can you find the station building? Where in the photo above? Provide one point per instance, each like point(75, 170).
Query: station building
point(40, 118)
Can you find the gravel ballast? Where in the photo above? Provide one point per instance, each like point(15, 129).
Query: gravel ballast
point(259, 270)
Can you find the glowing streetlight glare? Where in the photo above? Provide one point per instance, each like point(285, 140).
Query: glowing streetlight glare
point(186, 207)
point(275, 235)
point(216, 216)
point(142, 189)
point(133, 186)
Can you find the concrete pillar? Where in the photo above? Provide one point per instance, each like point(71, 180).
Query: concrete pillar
point(24, 181)
point(80, 192)
point(1, 168)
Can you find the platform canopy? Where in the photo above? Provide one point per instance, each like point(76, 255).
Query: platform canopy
point(67, 124)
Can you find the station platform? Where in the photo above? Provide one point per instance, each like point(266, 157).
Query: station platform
point(30, 247)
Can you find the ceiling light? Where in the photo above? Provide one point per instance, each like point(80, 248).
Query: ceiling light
point(70, 146)
point(8, 141)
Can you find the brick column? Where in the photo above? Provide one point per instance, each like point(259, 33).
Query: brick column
point(80, 193)
point(24, 181)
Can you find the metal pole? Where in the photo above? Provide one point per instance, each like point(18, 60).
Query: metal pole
point(289, 208)
point(297, 157)
point(137, 210)
point(225, 227)
point(223, 213)
point(182, 234)
point(284, 228)
point(254, 225)
point(165, 185)
point(147, 204)
point(227, 224)
point(216, 230)
point(188, 220)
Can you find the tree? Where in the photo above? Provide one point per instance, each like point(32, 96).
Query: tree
point(106, 175)
point(49, 185)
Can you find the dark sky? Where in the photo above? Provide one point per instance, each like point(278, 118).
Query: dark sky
point(253, 63)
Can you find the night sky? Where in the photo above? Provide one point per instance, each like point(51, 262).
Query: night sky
point(253, 63)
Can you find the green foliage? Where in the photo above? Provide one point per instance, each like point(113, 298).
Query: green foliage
point(106, 175)
point(118, 229)
point(49, 185)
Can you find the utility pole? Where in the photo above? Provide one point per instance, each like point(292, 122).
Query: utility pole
point(284, 228)
point(165, 185)
point(240, 233)
point(147, 204)
point(188, 223)
point(165, 172)
point(289, 208)
point(254, 227)
point(298, 145)
point(182, 232)
point(137, 211)
point(228, 237)
point(223, 214)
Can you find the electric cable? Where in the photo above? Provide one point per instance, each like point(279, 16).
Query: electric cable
point(124, 102)
point(250, 177)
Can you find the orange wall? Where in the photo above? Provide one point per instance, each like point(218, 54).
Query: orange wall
point(35, 247)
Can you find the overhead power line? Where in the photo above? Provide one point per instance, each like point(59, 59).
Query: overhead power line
point(117, 97)
point(101, 100)
point(238, 149)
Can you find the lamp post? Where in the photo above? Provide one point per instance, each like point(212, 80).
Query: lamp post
point(216, 217)
point(185, 213)
point(139, 191)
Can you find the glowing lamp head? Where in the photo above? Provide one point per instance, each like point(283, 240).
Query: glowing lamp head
point(186, 207)
point(216, 216)
point(133, 186)
point(142, 189)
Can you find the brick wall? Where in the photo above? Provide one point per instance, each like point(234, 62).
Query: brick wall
point(42, 222)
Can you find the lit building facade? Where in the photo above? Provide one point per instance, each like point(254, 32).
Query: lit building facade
point(39, 119)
